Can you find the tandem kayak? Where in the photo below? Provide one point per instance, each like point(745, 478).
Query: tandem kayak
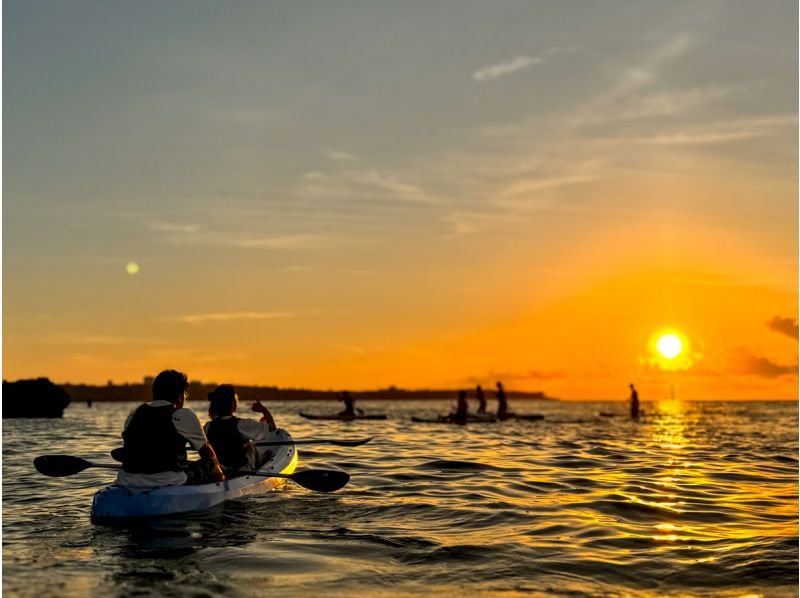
point(118, 503)
point(345, 418)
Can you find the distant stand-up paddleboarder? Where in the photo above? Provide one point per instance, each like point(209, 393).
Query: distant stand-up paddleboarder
point(502, 404)
point(481, 399)
point(634, 403)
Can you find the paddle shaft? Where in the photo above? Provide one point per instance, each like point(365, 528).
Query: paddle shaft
point(317, 441)
point(319, 480)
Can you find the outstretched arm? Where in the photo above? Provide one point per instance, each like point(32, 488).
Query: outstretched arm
point(266, 416)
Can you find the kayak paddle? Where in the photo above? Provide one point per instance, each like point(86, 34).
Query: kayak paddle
point(319, 480)
point(118, 453)
point(318, 441)
point(58, 466)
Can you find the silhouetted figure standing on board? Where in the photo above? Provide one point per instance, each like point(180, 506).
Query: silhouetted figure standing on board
point(481, 399)
point(634, 403)
point(502, 405)
point(349, 405)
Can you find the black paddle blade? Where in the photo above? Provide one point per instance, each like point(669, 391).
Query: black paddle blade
point(321, 480)
point(351, 442)
point(59, 466)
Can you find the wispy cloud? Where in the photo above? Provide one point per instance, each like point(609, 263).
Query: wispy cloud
point(720, 132)
point(694, 138)
point(298, 241)
point(346, 184)
point(389, 182)
point(171, 227)
point(755, 365)
point(464, 222)
point(673, 102)
point(340, 156)
point(530, 185)
point(506, 67)
point(95, 339)
point(787, 326)
point(230, 317)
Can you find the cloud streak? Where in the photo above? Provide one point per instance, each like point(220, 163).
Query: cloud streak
point(230, 317)
point(507, 67)
point(300, 241)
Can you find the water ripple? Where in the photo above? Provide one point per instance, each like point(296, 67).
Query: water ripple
point(700, 499)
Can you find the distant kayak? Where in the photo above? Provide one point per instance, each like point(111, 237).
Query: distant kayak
point(345, 418)
point(446, 419)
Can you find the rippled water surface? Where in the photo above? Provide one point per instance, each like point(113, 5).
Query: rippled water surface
point(697, 499)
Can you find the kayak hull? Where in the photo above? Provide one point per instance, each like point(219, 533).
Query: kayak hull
point(345, 418)
point(117, 503)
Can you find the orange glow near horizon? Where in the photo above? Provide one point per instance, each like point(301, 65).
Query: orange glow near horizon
point(587, 343)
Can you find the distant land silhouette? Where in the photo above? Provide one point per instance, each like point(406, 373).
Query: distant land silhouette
point(199, 391)
point(34, 398)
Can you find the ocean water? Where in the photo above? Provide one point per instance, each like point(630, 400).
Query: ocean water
point(697, 499)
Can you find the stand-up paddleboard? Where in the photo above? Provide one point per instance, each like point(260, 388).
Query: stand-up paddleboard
point(345, 418)
point(528, 417)
point(444, 419)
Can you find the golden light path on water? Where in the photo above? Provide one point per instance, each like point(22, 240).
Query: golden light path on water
point(695, 499)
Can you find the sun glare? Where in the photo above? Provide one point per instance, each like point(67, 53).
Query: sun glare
point(132, 268)
point(671, 350)
point(669, 345)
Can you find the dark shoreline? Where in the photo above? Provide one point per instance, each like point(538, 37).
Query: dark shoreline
point(199, 391)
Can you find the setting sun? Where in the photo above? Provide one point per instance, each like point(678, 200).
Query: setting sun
point(670, 349)
point(669, 345)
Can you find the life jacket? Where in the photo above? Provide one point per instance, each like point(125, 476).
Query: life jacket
point(228, 443)
point(152, 444)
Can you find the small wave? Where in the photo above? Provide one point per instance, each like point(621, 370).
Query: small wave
point(447, 465)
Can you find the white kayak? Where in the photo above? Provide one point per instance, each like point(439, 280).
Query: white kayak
point(115, 503)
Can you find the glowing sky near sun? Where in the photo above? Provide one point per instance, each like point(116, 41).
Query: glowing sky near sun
point(353, 195)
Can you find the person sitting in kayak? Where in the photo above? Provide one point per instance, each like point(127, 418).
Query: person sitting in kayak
point(232, 437)
point(156, 434)
point(481, 399)
point(349, 406)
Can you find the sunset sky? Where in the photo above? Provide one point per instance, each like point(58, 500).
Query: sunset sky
point(360, 194)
